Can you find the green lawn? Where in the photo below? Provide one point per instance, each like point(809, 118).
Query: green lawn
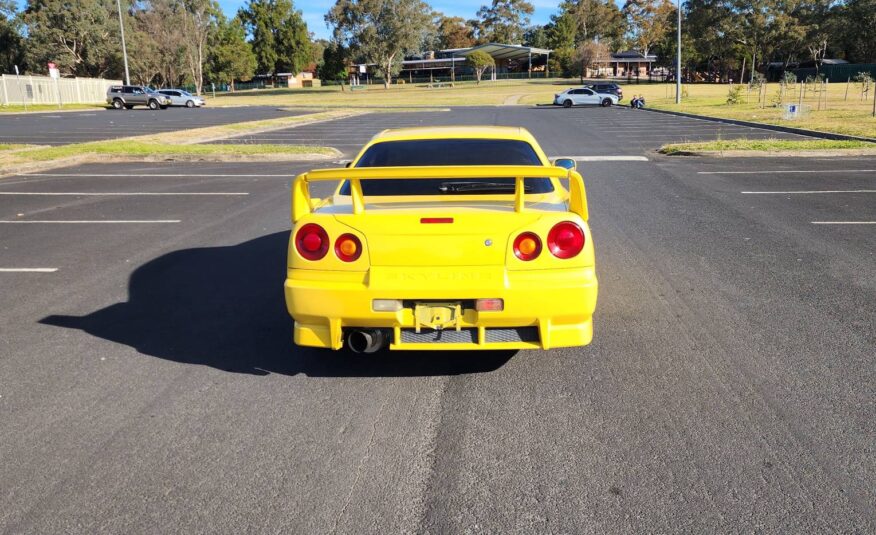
point(461, 94)
point(841, 113)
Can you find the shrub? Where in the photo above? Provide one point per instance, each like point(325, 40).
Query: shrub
point(757, 80)
point(734, 95)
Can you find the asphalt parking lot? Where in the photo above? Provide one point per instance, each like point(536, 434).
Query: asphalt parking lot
point(148, 381)
point(92, 125)
point(607, 131)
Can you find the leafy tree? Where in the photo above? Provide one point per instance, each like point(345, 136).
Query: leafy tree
point(595, 20)
point(708, 40)
point(156, 43)
point(649, 22)
point(562, 31)
point(480, 62)
point(199, 23)
point(280, 39)
point(536, 36)
point(334, 62)
point(230, 57)
point(858, 22)
point(82, 39)
point(11, 42)
point(381, 31)
point(588, 54)
point(454, 32)
point(504, 21)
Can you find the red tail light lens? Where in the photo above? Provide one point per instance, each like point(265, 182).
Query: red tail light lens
point(348, 247)
point(527, 246)
point(565, 240)
point(312, 242)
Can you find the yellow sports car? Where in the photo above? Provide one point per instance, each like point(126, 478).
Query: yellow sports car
point(443, 238)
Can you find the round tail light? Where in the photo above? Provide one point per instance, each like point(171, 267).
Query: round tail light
point(565, 240)
point(348, 247)
point(312, 242)
point(527, 246)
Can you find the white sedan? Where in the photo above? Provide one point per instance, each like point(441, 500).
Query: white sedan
point(181, 97)
point(584, 96)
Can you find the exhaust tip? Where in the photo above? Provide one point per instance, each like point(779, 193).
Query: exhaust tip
point(366, 340)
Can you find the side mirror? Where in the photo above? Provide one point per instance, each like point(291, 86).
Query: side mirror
point(346, 163)
point(565, 163)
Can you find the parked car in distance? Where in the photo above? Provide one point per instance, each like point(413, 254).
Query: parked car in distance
point(584, 96)
point(128, 96)
point(181, 97)
point(606, 87)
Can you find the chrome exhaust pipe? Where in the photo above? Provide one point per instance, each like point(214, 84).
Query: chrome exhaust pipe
point(366, 340)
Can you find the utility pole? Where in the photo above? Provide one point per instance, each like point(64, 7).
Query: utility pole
point(678, 60)
point(124, 50)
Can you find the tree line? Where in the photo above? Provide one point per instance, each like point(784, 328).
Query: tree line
point(178, 42)
point(169, 42)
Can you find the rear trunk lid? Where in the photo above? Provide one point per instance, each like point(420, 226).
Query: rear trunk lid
point(462, 236)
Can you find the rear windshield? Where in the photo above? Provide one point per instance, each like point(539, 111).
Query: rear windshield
point(439, 152)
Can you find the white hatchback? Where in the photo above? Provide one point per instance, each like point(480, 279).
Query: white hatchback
point(180, 97)
point(584, 96)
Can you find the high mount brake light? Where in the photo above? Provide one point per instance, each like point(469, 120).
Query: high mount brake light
point(312, 242)
point(348, 247)
point(565, 240)
point(527, 246)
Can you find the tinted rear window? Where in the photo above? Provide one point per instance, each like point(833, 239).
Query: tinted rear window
point(445, 152)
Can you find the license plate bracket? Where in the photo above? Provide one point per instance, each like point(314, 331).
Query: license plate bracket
point(438, 316)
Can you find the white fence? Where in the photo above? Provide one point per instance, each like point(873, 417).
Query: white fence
point(26, 89)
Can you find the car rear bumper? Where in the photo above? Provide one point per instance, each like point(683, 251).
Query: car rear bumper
point(542, 308)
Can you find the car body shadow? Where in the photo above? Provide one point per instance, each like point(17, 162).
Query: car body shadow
point(223, 307)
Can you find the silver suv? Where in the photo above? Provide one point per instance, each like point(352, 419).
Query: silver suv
point(128, 96)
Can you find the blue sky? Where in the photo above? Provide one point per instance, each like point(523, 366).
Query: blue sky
point(314, 10)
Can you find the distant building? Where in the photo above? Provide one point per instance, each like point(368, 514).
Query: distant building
point(511, 61)
point(627, 64)
point(302, 79)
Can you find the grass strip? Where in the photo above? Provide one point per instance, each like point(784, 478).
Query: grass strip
point(212, 133)
point(764, 145)
point(19, 108)
point(145, 149)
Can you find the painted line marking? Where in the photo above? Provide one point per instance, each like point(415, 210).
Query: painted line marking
point(605, 158)
point(843, 222)
point(93, 221)
point(28, 270)
point(808, 192)
point(160, 175)
point(118, 193)
point(786, 171)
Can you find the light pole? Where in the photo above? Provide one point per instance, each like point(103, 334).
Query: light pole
point(124, 50)
point(678, 60)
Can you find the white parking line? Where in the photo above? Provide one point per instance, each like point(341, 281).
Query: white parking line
point(785, 171)
point(843, 222)
point(92, 221)
point(160, 175)
point(605, 158)
point(28, 270)
point(808, 192)
point(119, 193)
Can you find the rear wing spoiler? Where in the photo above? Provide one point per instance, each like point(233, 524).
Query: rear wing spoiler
point(301, 202)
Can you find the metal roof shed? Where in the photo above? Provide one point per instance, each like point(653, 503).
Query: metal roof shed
point(501, 51)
